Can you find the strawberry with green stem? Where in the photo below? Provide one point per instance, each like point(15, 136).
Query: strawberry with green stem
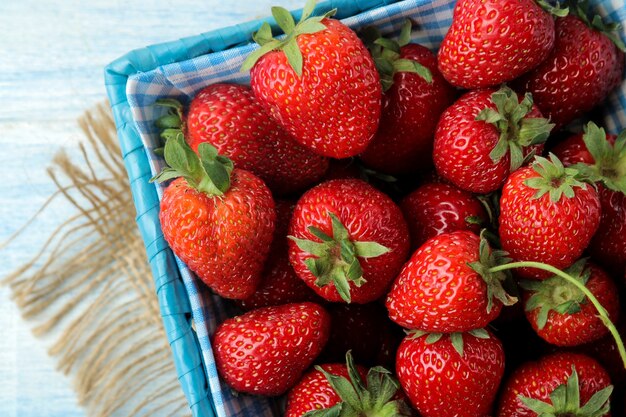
point(602, 158)
point(602, 312)
point(450, 375)
point(561, 314)
point(447, 285)
point(548, 213)
point(562, 384)
point(319, 61)
point(217, 219)
point(414, 96)
point(348, 241)
point(333, 390)
point(485, 135)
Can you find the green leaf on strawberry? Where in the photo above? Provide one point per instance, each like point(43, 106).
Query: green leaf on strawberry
point(489, 258)
point(580, 8)
point(335, 259)
point(288, 44)
point(516, 130)
point(456, 338)
point(555, 179)
point(386, 55)
point(609, 165)
point(556, 294)
point(208, 173)
point(379, 397)
point(565, 401)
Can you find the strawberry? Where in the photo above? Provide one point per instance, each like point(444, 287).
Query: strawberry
point(319, 82)
point(436, 208)
point(561, 384)
point(603, 157)
point(485, 135)
point(494, 41)
point(585, 65)
point(279, 282)
point(336, 388)
point(606, 352)
point(363, 329)
point(218, 220)
point(348, 241)
point(561, 314)
point(229, 117)
point(548, 215)
point(265, 351)
point(451, 375)
point(415, 95)
point(447, 287)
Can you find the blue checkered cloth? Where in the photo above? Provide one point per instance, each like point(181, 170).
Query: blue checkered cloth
point(184, 79)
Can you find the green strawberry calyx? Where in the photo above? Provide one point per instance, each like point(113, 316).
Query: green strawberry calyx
point(554, 9)
point(455, 338)
point(609, 165)
point(516, 130)
point(555, 179)
point(386, 55)
point(602, 313)
point(335, 258)
point(487, 259)
point(170, 124)
point(565, 401)
point(557, 294)
point(580, 8)
point(375, 397)
point(206, 171)
point(287, 44)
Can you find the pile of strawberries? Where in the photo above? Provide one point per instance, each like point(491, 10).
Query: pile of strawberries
point(429, 218)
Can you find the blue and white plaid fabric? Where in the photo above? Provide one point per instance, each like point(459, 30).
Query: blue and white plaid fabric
point(184, 79)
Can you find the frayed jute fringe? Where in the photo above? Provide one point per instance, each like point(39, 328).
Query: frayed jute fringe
point(90, 289)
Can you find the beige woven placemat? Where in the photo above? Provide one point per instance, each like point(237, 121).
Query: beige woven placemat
point(90, 289)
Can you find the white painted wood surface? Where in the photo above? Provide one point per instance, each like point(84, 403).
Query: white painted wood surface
point(52, 56)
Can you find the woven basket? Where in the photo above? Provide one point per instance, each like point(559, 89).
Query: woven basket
point(181, 68)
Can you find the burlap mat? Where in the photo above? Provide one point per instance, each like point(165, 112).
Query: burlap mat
point(89, 288)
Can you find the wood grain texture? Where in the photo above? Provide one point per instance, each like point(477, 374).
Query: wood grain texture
point(51, 64)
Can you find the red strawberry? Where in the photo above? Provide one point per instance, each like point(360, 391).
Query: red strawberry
point(342, 169)
point(561, 384)
point(583, 68)
point(348, 241)
point(605, 157)
point(319, 82)
point(280, 284)
point(606, 352)
point(436, 208)
point(562, 315)
point(331, 388)
point(415, 95)
point(547, 215)
point(447, 287)
point(494, 41)
point(451, 375)
point(218, 220)
point(265, 351)
point(228, 117)
point(313, 392)
point(363, 329)
point(486, 135)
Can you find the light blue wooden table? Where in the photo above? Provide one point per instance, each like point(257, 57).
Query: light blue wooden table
point(51, 61)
